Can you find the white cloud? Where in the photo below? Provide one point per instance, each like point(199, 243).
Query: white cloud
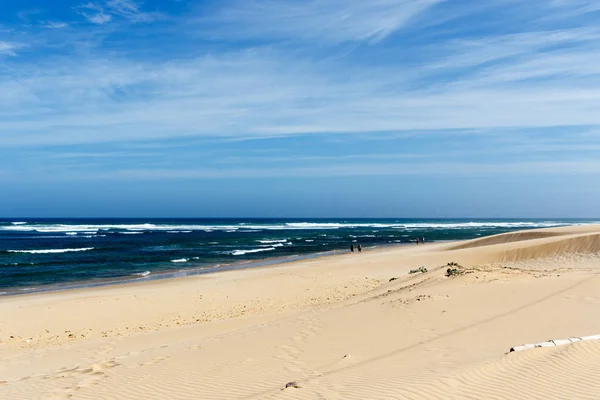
point(99, 18)
point(570, 8)
point(473, 52)
point(330, 21)
point(128, 9)
point(105, 12)
point(266, 93)
point(94, 13)
point(8, 49)
point(55, 25)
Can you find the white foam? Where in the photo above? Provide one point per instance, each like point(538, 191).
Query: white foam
point(273, 241)
point(426, 225)
point(309, 240)
point(242, 252)
point(317, 225)
point(273, 245)
point(180, 260)
point(145, 273)
point(19, 223)
point(49, 237)
point(131, 233)
point(51, 251)
point(71, 233)
point(54, 228)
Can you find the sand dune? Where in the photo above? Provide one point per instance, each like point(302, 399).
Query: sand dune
point(575, 244)
point(338, 327)
point(506, 238)
point(535, 244)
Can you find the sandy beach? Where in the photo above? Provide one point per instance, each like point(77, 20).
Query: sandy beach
point(351, 326)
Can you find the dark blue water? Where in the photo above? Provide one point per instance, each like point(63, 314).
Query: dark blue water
point(41, 254)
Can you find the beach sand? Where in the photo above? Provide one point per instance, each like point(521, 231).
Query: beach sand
point(339, 327)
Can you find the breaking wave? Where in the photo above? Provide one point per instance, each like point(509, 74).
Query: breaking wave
point(50, 251)
point(244, 227)
point(242, 252)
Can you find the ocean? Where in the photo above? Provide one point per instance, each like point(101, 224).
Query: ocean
point(48, 254)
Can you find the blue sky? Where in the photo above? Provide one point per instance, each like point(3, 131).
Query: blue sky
point(324, 108)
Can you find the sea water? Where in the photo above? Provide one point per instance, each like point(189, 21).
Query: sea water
point(43, 254)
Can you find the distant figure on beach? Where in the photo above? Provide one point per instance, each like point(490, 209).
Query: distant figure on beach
point(423, 241)
point(417, 241)
point(351, 248)
point(359, 248)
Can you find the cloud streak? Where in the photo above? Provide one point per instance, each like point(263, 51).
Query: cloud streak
point(329, 21)
point(228, 95)
point(8, 48)
point(55, 25)
point(94, 13)
point(102, 13)
point(129, 10)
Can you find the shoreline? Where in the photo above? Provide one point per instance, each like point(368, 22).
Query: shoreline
point(32, 259)
point(108, 311)
point(185, 273)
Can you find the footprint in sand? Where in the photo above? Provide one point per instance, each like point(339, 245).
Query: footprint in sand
point(95, 369)
point(155, 360)
point(85, 377)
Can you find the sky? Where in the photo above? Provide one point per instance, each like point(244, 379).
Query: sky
point(300, 108)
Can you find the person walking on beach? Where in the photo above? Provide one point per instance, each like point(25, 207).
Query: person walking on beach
point(351, 248)
point(359, 248)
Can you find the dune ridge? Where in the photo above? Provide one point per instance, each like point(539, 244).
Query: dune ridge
point(506, 238)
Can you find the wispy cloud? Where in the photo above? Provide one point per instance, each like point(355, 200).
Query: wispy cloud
point(571, 8)
point(102, 13)
point(128, 9)
point(489, 49)
point(94, 13)
point(55, 25)
point(8, 49)
point(329, 21)
point(115, 100)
